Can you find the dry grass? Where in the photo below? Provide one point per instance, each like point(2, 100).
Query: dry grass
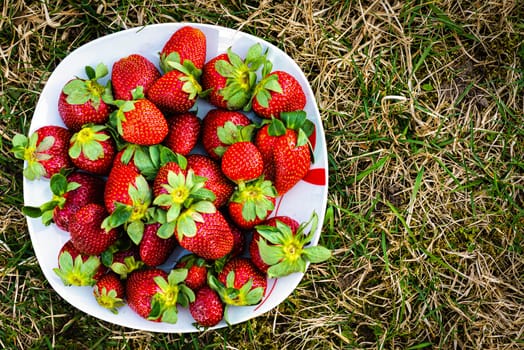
point(422, 103)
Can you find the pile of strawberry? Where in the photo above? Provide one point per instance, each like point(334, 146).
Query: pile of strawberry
point(129, 184)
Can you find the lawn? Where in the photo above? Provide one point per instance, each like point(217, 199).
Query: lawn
point(422, 104)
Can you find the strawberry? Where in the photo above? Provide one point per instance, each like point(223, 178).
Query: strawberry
point(45, 151)
point(177, 90)
point(130, 72)
point(242, 162)
point(186, 43)
point(221, 128)
point(139, 121)
point(196, 270)
point(109, 292)
point(153, 294)
point(184, 132)
point(277, 92)
point(86, 230)
point(285, 250)
point(230, 79)
point(252, 203)
point(207, 309)
point(285, 149)
point(239, 283)
point(253, 245)
point(127, 198)
point(77, 269)
point(216, 182)
point(92, 149)
point(84, 101)
point(153, 249)
point(212, 238)
point(70, 193)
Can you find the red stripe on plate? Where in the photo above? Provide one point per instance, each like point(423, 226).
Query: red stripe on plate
point(266, 297)
point(316, 176)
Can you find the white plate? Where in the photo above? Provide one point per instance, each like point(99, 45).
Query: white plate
point(298, 203)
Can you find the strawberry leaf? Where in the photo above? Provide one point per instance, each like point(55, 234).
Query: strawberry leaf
point(270, 254)
point(166, 230)
point(32, 212)
point(317, 254)
point(135, 231)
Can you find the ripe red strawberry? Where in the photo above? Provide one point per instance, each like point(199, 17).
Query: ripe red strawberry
point(221, 128)
point(207, 309)
point(127, 198)
point(92, 149)
point(196, 270)
point(177, 90)
point(70, 193)
point(213, 238)
point(253, 245)
point(84, 101)
point(277, 92)
point(154, 295)
point(242, 162)
point(184, 132)
point(186, 43)
point(140, 121)
point(155, 250)
point(45, 151)
point(285, 249)
point(285, 149)
point(216, 182)
point(239, 283)
point(77, 269)
point(109, 292)
point(86, 230)
point(252, 203)
point(130, 72)
point(231, 79)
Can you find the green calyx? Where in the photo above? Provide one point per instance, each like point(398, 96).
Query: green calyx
point(255, 197)
point(80, 91)
point(190, 78)
point(77, 272)
point(33, 152)
point(129, 265)
point(288, 252)
point(88, 141)
point(185, 201)
point(133, 216)
point(295, 120)
point(243, 296)
point(59, 187)
point(172, 292)
point(231, 133)
point(108, 299)
point(269, 83)
point(240, 75)
point(118, 116)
